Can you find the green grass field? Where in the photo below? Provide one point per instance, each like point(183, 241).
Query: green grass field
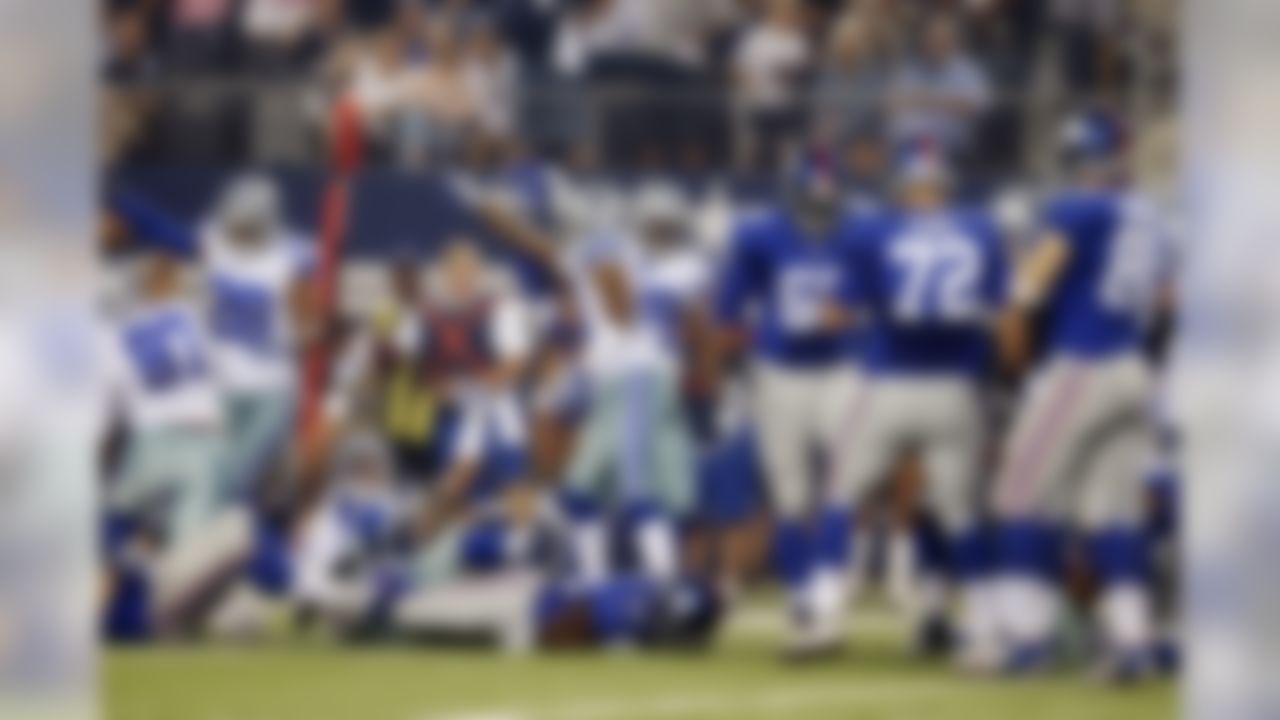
point(741, 678)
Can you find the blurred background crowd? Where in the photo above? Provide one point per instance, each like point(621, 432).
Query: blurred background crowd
point(638, 85)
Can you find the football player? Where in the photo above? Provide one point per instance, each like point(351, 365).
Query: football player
point(931, 278)
point(633, 445)
point(254, 269)
point(1082, 434)
point(165, 380)
point(170, 534)
point(783, 296)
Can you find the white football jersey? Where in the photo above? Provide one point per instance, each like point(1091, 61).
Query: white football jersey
point(613, 349)
point(669, 283)
point(161, 364)
point(249, 294)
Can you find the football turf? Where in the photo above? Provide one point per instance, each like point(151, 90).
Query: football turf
point(740, 678)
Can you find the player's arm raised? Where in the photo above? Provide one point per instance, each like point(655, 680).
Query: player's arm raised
point(151, 224)
point(1035, 276)
point(510, 228)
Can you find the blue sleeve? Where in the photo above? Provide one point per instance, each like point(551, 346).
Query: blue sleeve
point(1060, 215)
point(869, 245)
point(1079, 219)
point(855, 263)
point(1085, 224)
point(155, 226)
point(739, 280)
point(999, 275)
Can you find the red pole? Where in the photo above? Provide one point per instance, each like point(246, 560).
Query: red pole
point(347, 155)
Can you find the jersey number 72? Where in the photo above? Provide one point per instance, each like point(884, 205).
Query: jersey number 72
point(935, 278)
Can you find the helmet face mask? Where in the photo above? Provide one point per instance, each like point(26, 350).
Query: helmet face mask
point(248, 233)
point(661, 216)
point(922, 180)
point(1092, 146)
point(815, 201)
point(250, 210)
point(663, 235)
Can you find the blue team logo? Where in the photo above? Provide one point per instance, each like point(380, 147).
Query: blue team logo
point(243, 314)
point(167, 352)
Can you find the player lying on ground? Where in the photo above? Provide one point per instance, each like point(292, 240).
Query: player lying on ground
point(495, 576)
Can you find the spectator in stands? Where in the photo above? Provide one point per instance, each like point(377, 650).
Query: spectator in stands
point(863, 164)
point(591, 28)
point(852, 81)
point(491, 75)
point(367, 15)
point(410, 28)
point(129, 105)
point(643, 63)
point(276, 33)
point(529, 27)
point(130, 56)
point(1092, 57)
point(201, 33)
point(443, 104)
point(769, 63)
point(383, 75)
point(1005, 35)
point(937, 97)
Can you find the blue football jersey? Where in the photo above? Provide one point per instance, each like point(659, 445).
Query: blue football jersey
point(929, 284)
point(779, 282)
point(1100, 302)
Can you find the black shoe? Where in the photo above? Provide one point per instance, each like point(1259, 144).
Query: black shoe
point(935, 639)
point(1125, 669)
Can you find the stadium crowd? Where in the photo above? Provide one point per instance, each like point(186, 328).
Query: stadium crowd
point(603, 431)
point(654, 84)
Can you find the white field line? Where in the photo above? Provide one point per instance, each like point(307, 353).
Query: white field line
point(770, 622)
point(771, 703)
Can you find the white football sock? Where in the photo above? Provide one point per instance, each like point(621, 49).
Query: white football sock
point(827, 594)
point(1029, 609)
point(979, 621)
point(1125, 614)
point(590, 551)
point(659, 556)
